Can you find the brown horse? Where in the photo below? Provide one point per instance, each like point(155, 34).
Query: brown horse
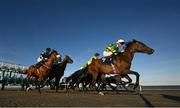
point(41, 74)
point(121, 62)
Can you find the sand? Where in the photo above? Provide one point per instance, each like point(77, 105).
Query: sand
point(49, 98)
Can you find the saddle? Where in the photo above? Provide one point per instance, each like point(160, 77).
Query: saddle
point(108, 60)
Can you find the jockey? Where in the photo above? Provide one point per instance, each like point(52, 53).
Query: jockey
point(44, 56)
point(95, 56)
point(113, 49)
point(46, 53)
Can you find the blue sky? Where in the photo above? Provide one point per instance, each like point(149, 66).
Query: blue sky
point(79, 28)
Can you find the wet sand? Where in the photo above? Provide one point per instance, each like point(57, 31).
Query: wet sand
point(49, 98)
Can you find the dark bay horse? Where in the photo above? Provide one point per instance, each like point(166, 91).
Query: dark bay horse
point(73, 78)
point(41, 74)
point(57, 70)
point(79, 76)
point(121, 62)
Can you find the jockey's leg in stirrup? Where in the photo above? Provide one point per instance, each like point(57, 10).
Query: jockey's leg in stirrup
point(107, 57)
point(39, 60)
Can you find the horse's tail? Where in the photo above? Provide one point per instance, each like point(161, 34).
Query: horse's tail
point(30, 70)
point(26, 71)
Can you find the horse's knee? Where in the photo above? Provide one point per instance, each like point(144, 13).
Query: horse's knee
point(138, 75)
point(130, 80)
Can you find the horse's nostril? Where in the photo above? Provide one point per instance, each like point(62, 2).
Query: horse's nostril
point(152, 51)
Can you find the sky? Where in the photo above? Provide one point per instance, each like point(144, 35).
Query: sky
point(80, 28)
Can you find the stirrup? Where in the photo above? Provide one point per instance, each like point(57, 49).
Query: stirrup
point(103, 59)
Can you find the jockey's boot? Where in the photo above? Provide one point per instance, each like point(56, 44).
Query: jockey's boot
point(107, 61)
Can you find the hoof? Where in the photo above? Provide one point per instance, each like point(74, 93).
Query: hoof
point(27, 89)
point(135, 86)
point(101, 93)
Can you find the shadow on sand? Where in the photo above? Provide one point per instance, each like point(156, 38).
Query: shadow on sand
point(147, 102)
point(176, 98)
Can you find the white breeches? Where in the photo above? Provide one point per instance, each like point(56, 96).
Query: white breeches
point(106, 54)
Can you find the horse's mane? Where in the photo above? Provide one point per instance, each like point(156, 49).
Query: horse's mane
point(53, 51)
point(128, 44)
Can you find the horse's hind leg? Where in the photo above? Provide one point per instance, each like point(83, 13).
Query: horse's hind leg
point(56, 85)
point(39, 88)
point(27, 83)
point(103, 81)
point(118, 82)
point(39, 84)
point(95, 75)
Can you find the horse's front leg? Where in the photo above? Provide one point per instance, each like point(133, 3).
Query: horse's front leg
point(45, 81)
point(39, 84)
point(57, 79)
point(124, 83)
point(128, 78)
point(137, 78)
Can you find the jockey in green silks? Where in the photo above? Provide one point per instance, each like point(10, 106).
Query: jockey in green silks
point(113, 49)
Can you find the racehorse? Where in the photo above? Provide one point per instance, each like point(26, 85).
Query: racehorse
point(83, 77)
point(57, 70)
point(79, 76)
point(121, 62)
point(42, 73)
point(73, 78)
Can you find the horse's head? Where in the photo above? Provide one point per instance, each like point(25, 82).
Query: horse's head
point(138, 46)
point(68, 59)
point(55, 56)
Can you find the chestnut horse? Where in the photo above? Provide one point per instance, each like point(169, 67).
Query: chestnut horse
point(121, 62)
point(42, 73)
